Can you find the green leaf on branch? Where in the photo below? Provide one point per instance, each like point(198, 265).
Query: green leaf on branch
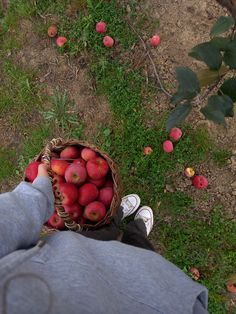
point(208, 53)
point(221, 42)
point(218, 108)
point(229, 88)
point(223, 24)
point(207, 77)
point(230, 55)
point(188, 85)
point(178, 115)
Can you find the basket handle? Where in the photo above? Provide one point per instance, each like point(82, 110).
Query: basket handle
point(46, 157)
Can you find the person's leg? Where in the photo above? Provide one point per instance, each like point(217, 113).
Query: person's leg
point(136, 235)
point(129, 205)
point(107, 232)
point(137, 231)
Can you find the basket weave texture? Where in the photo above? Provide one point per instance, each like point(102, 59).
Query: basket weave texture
point(57, 145)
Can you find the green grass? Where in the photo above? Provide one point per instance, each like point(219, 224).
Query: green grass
point(188, 237)
point(221, 156)
point(17, 91)
point(7, 162)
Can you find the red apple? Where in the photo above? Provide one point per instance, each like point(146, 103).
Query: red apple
point(175, 134)
point(80, 161)
point(74, 210)
point(98, 183)
point(87, 193)
point(68, 193)
point(97, 168)
point(88, 154)
point(147, 150)
point(108, 41)
point(52, 31)
point(61, 41)
point(95, 211)
point(76, 174)
point(70, 152)
point(59, 166)
point(168, 146)
point(105, 196)
point(56, 221)
point(155, 41)
point(200, 182)
point(101, 27)
point(31, 171)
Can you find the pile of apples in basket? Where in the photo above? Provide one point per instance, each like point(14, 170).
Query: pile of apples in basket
point(83, 182)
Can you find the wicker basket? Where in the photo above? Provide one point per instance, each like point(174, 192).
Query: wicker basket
point(57, 145)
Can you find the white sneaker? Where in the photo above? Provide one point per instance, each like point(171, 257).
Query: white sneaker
point(130, 203)
point(146, 214)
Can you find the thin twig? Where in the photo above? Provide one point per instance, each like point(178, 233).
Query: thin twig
point(152, 62)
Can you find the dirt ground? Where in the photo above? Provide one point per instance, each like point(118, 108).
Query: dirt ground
point(183, 24)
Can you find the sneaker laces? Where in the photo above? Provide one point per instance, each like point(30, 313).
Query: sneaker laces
point(129, 204)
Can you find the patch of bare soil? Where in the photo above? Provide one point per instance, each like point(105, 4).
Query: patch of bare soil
point(55, 70)
point(184, 24)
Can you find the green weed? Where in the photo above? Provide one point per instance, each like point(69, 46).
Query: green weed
point(221, 156)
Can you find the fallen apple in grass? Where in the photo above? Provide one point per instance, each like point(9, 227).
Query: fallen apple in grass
point(147, 150)
point(68, 193)
point(108, 41)
point(175, 134)
point(101, 27)
point(168, 146)
point(76, 174)
point(95, 211)
point(97, 168)
point(155, 40)
point(61, 41)
point(59, 166)
point(70, 152)
point(31, 171)
point(87, 194)
point(56, 222)
point(52, 31)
